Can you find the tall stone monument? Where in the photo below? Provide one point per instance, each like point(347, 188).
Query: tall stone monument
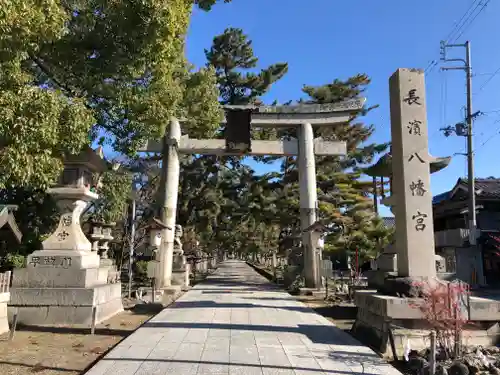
point(411, 202)
point(411, 175)
point(65, 282)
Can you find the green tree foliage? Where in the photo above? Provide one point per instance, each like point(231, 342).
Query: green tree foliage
point(76, 72)
point(114, 196)
point(70, 69)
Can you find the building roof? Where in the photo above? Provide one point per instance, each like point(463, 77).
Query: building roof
point(486, 188)
point(7, 218)
point(441, 197)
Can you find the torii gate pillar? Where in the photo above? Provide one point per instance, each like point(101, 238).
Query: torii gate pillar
point(169, 186)
point(308, 201)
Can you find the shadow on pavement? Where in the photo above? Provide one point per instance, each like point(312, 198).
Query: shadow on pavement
point(337, 312)
point(233, 305)
point(241, 365)
point(318, 334)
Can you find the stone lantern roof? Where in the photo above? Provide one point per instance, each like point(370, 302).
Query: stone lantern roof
point(90, 158)
point(383, 167)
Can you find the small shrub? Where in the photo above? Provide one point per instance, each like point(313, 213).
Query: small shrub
point(444, 307)
point(297, 284)
point(141, 269)
point(13, 261)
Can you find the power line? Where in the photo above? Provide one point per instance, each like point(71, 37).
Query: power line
point(493, 135)
point(497, 131)
point(489, 80)
point(492, 111)
point(430, 67)
point(460, 27)
point(457, 24)
point(466, 27)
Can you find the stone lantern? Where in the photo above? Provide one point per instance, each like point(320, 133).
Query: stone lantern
point(96, 236)
point(64, 283)
point(75, 190)
point(107, 237)
point(316, 232)
point(156, 229)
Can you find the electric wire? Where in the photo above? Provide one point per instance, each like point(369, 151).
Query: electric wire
point(460, 27)
point(497, 132)
point(484, 5)
point(457, 24)
point(489, 80)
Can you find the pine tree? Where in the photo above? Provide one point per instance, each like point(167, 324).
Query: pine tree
point(343, 194)
point(233, 59)
point(221, 199)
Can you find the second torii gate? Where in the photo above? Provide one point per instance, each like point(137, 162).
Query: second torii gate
point(305, 147)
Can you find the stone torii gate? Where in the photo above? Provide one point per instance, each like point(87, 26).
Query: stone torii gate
point(239, 120)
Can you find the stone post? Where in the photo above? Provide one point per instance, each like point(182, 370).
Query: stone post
point(187, 274)
point(308, 200)
point(411, 175)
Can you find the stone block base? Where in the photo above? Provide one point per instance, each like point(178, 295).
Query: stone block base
point(315, 292)
point(379, 313)
point(179, 277)
point(172, 290)
point(50, 306)
point(4, 322)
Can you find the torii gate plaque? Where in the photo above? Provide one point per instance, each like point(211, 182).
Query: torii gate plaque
point(305, 147)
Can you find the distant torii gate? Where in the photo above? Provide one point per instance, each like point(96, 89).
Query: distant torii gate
point(237, 143)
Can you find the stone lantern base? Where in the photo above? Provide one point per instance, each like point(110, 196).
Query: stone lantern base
point(61, 287)
point(180, 270)
point(65, 283)
point(378, 314)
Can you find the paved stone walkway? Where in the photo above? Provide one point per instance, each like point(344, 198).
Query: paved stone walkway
point(237, 322)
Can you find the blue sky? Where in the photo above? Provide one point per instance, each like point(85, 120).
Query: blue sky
point(327, 39)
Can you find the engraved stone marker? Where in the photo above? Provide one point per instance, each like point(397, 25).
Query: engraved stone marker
point(411, 159)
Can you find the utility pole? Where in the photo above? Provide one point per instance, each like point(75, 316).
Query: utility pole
point(465, 130)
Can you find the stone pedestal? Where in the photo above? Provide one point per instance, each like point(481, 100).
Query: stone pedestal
point(377, 313)
point(63, 287)
point(4, 322)
point(180, 270)
point(65, 282)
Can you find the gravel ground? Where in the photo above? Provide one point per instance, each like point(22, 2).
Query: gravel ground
point(64, 350)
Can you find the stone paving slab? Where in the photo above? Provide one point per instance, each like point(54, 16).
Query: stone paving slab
point(237, 323)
